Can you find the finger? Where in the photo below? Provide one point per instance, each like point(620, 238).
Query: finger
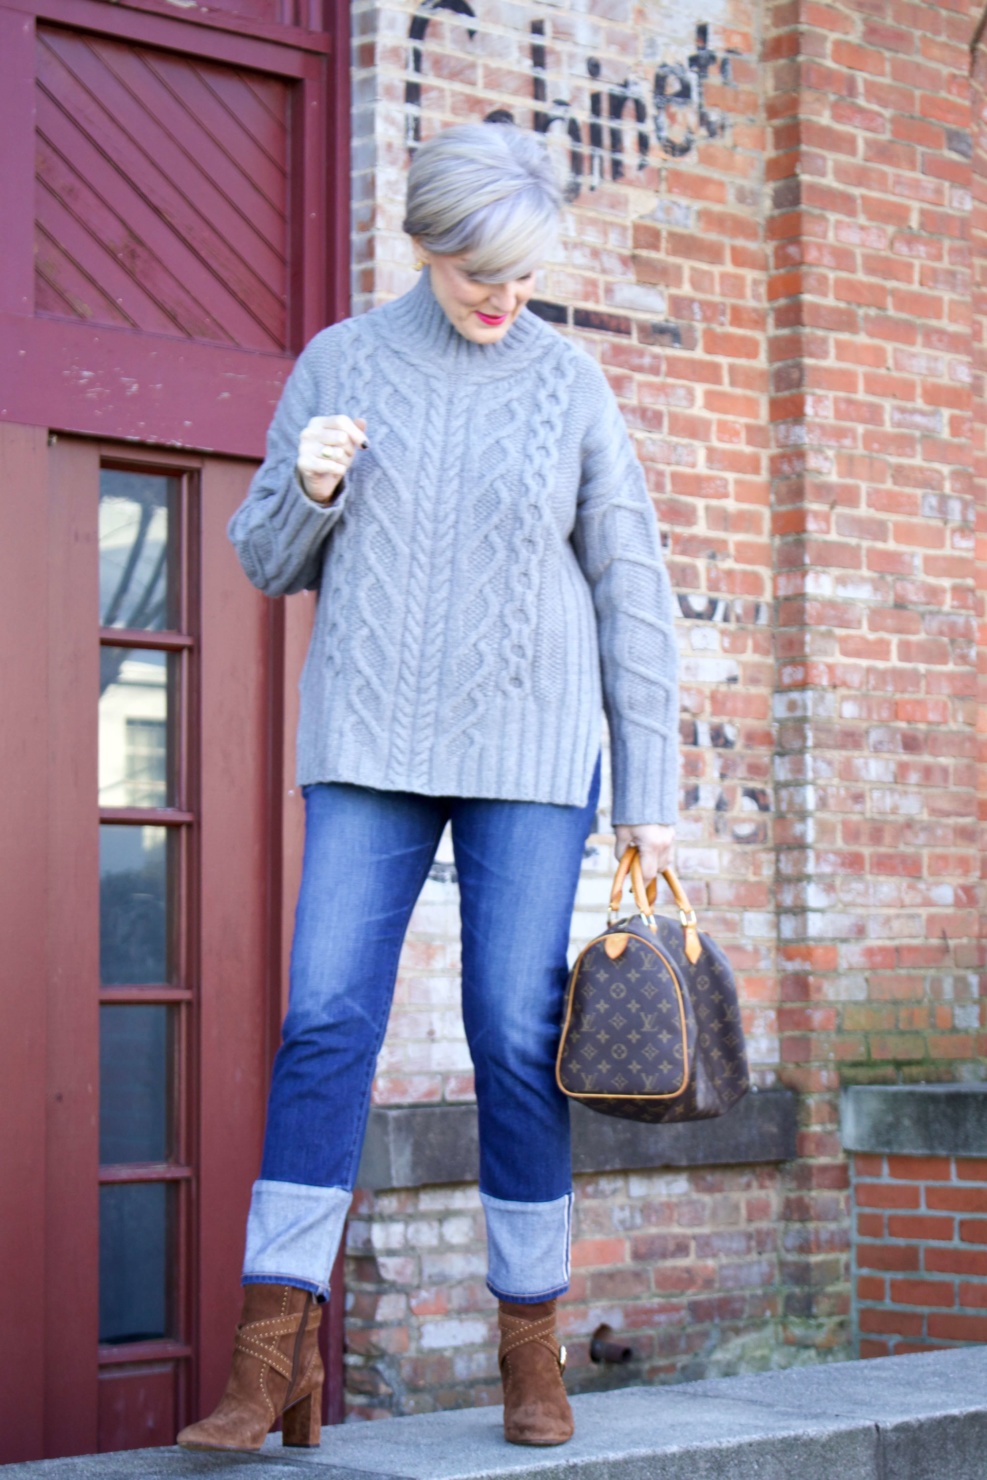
point(321, 467)
point(649, 861)
point(320, 425)
point(353, 431)
point(330, 444)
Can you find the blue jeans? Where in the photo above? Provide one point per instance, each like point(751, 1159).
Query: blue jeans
point(367, 855)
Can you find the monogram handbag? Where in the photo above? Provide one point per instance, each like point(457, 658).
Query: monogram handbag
point(652, 1024)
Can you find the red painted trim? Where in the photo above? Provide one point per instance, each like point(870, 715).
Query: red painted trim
point(334, 1406)
point(169, 642)
point(338, 164)
point(23, 889)
point(72, 1219)
point(145, 995)
point(285, 51)
point(147, 816)
point(66, 375)
point(141, 1351)
point(17, 66)
point(234, 982)
point(141, 1171)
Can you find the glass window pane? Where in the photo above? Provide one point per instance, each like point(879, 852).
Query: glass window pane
point(134, 1081)
point(136, 1250)
point(136, 904)
point(136, 720)
point(137, 554)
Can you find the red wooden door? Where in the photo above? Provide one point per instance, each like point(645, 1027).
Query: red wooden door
point(174, 229)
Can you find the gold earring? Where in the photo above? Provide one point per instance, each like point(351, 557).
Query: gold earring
point(419, 264)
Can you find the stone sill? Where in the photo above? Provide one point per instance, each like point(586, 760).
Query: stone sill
point(436, 1145)
point(899, 1418)
point(915, 1119)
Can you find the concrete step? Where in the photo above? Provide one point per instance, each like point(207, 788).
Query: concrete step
point(898, 1418)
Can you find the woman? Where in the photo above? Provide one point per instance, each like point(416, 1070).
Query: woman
point(455, 480)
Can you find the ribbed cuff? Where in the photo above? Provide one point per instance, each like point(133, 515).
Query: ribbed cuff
point(645, 771)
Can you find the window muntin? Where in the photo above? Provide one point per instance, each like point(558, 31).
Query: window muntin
point(147, 751)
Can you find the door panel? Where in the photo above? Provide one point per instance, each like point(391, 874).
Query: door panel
point(23, 947)
point(158, 208)
point(176, 227)
point(72, 925)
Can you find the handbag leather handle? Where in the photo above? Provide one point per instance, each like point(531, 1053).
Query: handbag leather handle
point(630, 863)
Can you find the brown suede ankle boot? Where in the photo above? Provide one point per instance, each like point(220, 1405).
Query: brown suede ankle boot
point(277, 1370)
point(536, 1409)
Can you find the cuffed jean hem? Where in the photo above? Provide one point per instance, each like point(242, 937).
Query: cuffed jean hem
point(293, 1234)
point(527, 1248)
point(527, 1299)
point(285, 1279)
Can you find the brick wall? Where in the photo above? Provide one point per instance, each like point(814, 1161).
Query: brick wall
point(686, 1266)
point(920, 1252)
point(767, 247)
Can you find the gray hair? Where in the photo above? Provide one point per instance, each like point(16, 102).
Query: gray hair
point(486, 191)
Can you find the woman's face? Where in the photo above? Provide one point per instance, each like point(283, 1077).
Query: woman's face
point(482, 312)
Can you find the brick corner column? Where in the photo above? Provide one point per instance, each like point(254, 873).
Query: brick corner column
point(870, 349)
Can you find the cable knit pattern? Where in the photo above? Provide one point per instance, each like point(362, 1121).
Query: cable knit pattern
point(491, 558)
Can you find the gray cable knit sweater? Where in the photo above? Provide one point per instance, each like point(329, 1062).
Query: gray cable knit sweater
point(490, 557)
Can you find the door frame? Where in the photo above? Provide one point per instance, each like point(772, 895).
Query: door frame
point(48, 869)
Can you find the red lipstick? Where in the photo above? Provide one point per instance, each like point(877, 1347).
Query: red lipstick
point(491, 318)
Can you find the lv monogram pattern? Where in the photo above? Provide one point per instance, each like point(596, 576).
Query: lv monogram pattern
point(649, 1036)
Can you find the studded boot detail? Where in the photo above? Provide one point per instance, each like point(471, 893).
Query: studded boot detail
point(277, 1370)
point(536, 1409)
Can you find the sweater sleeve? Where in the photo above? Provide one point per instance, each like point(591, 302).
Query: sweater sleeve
point(279, 532)
point(618, 547)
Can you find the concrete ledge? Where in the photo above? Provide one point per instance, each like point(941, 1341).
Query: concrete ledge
point(915, 1119)
point(900, 1418)
point(432, 1145)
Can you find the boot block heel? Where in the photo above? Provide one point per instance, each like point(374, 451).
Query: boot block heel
point(301, 1424)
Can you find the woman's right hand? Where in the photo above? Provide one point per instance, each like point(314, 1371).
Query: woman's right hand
point(326, 449)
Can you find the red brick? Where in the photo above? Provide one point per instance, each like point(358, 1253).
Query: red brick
point(902, 1225)
point(601, 1251)
point(886, 1195)
point(973, 1230)
point(859, 58)
point(957, 1327)
point(904, 1257)
point(957, 1199)
point(892, 1322)
point(971, 1169)
point(922, 1292)
point(937, 1260)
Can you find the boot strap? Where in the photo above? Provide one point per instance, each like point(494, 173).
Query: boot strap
point(264, 1353)
point(540, 1332)
point(259, 1339)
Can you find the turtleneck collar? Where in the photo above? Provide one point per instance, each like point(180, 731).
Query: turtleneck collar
point(417, 328)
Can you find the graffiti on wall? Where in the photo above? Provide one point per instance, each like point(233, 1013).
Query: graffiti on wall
point(667, 111)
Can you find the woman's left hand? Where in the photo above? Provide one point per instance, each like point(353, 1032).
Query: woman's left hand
point(653, 841)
